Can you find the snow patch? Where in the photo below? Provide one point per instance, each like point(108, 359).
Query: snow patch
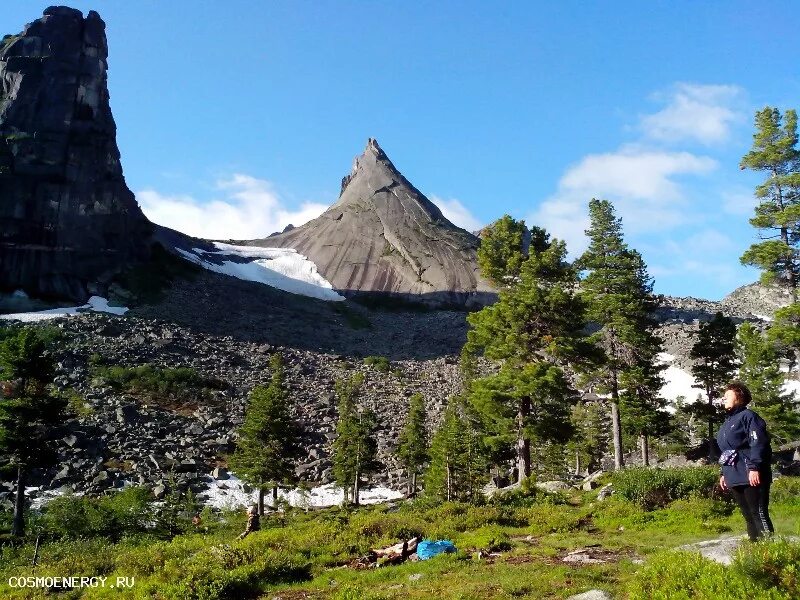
point(678, 382)
point(281, 268)
point(230, 494)
point(95, 303)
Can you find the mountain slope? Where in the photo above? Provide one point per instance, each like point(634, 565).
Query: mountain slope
point(384, 236)
point(68, 221)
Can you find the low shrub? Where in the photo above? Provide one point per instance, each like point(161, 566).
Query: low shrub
point(765, 570)
point(656, 488)
point(786, 490)
point(124, 513)
point(379, 363)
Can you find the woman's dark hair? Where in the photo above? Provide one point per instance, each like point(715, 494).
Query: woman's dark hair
point(741, 392)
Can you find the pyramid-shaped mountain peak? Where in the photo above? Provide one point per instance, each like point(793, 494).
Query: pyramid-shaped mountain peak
point(383, 236)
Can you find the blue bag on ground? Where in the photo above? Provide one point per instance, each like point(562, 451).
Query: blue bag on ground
point(428, 548)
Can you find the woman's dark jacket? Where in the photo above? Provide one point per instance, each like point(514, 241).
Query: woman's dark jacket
point(745, 432)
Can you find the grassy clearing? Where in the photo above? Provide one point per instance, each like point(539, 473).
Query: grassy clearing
point(521, 544)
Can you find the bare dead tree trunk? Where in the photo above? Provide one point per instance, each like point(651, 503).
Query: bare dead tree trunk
point(617, 434)
point(643, 441)
point(262, 491)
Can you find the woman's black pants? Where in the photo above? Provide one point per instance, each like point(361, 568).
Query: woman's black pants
point(754, 503)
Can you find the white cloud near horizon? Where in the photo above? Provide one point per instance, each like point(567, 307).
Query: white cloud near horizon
point(695, 112)
point(249, 208)
point(641, 183)
point(457, 213)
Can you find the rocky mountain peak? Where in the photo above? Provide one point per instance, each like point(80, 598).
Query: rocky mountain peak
point(68, 221)
point(383, 236)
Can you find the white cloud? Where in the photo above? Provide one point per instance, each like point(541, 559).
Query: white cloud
point(740, 203)
point(695, 112)
point(250, 208)
point(457, 213)
point(641, 184)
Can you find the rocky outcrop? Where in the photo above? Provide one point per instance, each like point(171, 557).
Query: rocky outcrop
point(384, 237)
point(68, 221)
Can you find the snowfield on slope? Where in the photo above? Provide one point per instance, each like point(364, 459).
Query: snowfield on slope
point(230, 493)
point(95, 303)
point(281, 268)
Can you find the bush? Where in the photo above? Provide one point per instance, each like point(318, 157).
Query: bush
point(159, 385)
point(765, 570)
point(124, 513)
point(656, 488)
point(380, 363)
point(786, 490)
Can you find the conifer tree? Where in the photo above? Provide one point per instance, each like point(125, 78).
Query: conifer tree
point(413, 447)
point(760, 370)
point(29, 411)
point(355, 448)
point(715, 353)
point(457, 465)
point(533, 331)
point(268, 438)
point(618, 294)
point(777, 216)
point(589, 443)
point(502, 251)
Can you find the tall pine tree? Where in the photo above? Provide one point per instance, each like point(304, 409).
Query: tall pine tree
point(413, 448)
point(715, 354)
point(533, 331)
point(355, 448)
point(777, 217)
point(268, 438)
point(618, 294)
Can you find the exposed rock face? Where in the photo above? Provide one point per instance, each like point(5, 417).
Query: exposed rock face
point(67, 219)
point(384, 236)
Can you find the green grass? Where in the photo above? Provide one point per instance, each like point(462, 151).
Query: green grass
point(305, 555)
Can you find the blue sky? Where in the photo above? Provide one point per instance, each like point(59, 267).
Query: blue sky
point(236, 118)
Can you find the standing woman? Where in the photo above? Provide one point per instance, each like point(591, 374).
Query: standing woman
point(746, 460)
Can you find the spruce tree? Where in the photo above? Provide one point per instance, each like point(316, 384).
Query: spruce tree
point(760, 370)
point(715, 354)
point(268, 438)
point(29, 411)
point(355, 448)
point(413, 447)
point(590, 440)
point(619, 298)
point(457, 460)
point(533, 331)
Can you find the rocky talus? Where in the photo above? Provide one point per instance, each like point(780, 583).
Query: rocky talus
point(384, 237)
point(122, 438)
point(68, 221)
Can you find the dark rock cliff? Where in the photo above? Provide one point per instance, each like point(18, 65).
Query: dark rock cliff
point(384, 237)
point(68, 221)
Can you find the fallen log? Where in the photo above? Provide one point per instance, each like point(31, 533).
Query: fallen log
point(390, 555)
